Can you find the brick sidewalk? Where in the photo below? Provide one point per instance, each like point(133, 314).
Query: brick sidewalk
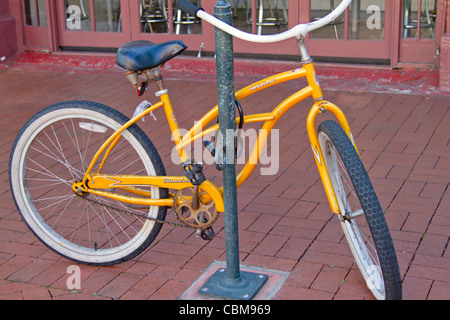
point(284, 220)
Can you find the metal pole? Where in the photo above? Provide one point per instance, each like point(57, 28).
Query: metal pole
point(227, 123)
point(229, 282)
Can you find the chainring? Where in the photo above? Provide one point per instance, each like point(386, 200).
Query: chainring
point(201, 218)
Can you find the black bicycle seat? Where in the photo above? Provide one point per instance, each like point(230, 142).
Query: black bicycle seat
point(140, 55)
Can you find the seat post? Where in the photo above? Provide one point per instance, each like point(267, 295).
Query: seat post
point(157, 77)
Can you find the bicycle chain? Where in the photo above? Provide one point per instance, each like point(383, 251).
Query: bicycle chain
point(182, 225)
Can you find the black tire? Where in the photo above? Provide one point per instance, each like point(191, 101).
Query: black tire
point(52, 150)
point(357, 199)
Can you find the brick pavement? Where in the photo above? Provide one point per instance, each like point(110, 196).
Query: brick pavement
point(284, 220)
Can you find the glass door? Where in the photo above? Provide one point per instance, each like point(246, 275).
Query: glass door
point(264, 17)
point(363, 33)
point(160, 20)
point(93, 23)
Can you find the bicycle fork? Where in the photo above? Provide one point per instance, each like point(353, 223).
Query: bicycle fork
point(321, 106)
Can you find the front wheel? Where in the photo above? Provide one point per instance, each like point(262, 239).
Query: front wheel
point(54, 149)
point(361, 217)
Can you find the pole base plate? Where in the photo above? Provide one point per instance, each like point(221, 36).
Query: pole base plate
point(245, 288)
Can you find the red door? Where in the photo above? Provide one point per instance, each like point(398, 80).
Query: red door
point(111, 23)
point(35, 24)
point(421, 30)
point(362, 34)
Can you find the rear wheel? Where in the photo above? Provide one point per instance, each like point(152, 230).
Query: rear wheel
point(362, 218)
point(53, 149)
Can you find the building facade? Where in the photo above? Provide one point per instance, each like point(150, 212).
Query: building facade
point(394, 33)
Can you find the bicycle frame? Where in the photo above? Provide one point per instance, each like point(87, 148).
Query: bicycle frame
point(97, 181)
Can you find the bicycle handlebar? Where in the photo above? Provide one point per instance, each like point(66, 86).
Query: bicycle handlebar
point(299, 31)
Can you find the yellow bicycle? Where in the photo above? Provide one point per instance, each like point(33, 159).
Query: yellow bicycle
point(90, 184)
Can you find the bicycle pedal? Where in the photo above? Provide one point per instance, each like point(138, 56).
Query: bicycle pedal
point(207, 234)
point(194, 172)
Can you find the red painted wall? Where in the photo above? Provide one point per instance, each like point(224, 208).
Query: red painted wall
point(8, 34)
